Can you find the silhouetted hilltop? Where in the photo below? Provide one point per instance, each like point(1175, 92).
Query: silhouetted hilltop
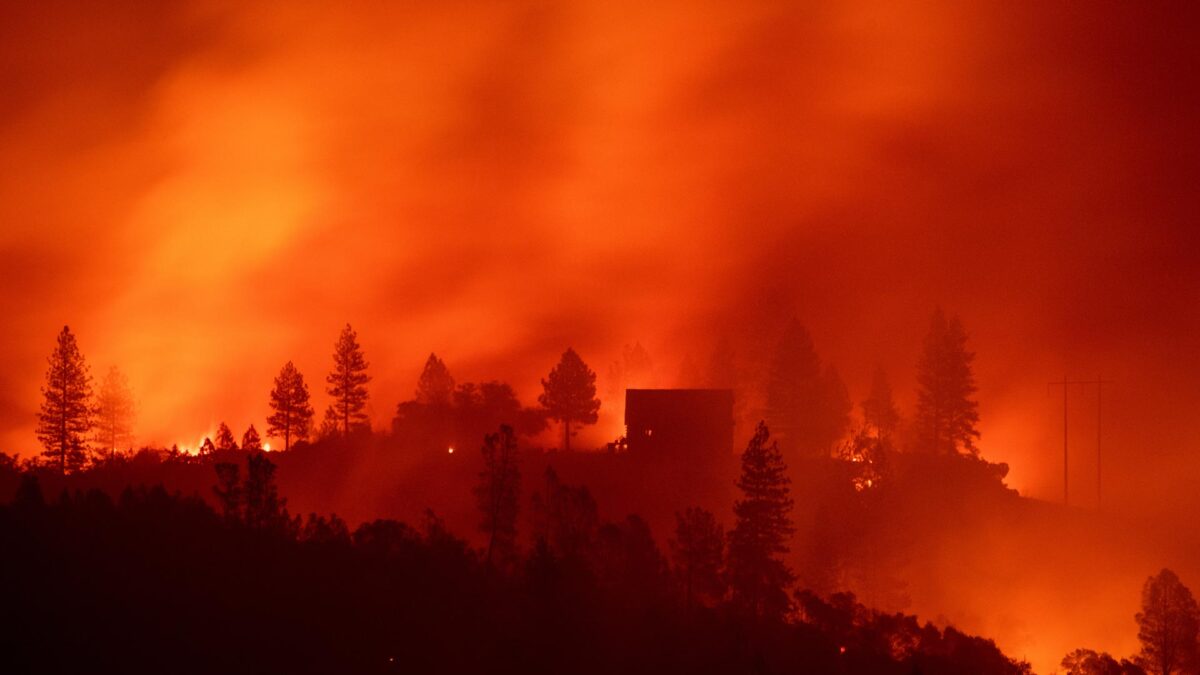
point(156, 582)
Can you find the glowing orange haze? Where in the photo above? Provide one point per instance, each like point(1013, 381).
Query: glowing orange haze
point(207, 191)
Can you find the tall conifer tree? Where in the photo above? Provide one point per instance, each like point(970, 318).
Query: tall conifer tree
point(66, 414)
point(251, 441)
point(497, 494)
point(436, 385)
point(225, 439)
point(947, 413)
point(807, 405)
point(292, 416)
point(757, 574)
point(1167, 626)
point(348, 381)
point(569, 394)
point(114, 412)
point(698, 552)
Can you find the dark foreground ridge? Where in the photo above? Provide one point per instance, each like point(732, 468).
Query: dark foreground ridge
point(155, 582)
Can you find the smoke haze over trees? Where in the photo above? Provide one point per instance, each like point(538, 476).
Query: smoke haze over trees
point(769, 198)
point(858, 508)
point(822, 206)
point(115, 412)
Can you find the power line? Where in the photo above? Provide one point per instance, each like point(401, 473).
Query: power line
point(1099, 382)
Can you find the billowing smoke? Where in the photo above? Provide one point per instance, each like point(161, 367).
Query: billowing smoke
point(207, 190)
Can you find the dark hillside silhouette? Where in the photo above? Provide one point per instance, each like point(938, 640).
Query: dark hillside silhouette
point(640, 543)
point(570, 256)
point(163, 582)
point(574, 545)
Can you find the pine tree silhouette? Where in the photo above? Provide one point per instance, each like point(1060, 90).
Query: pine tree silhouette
point(251, 441)
point(698, 551)
point(114, 412)
point(946, 412)
point(263, 508)
point(807, 405)
point(498, 493)
point(569, 394)
point(225, 440)
point(347, 382)
point(66, 415)
point(292, 416)
point(757, 574)
point(1167, 625)
point(435, 385)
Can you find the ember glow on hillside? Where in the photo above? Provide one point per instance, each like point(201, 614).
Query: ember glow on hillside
point(205, 190)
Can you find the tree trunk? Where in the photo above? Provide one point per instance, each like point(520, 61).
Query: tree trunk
point(566, 435)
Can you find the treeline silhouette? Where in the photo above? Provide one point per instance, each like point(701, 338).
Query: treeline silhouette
point(841, 471)
point(803, 399)
point(149, 580)
point(79, 428)
point(158, 582)
point(544, 580)
point(846, 536)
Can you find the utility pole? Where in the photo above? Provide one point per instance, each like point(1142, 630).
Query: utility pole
point(1100, 382)
point(1065, 383)
point(1066, 457)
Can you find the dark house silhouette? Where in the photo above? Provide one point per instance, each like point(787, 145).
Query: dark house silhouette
point(692, 425)
point(679, 452)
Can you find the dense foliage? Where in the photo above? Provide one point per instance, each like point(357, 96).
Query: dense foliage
point(155, 582)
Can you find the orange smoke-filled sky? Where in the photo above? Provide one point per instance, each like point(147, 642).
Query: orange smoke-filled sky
point(204, 190)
